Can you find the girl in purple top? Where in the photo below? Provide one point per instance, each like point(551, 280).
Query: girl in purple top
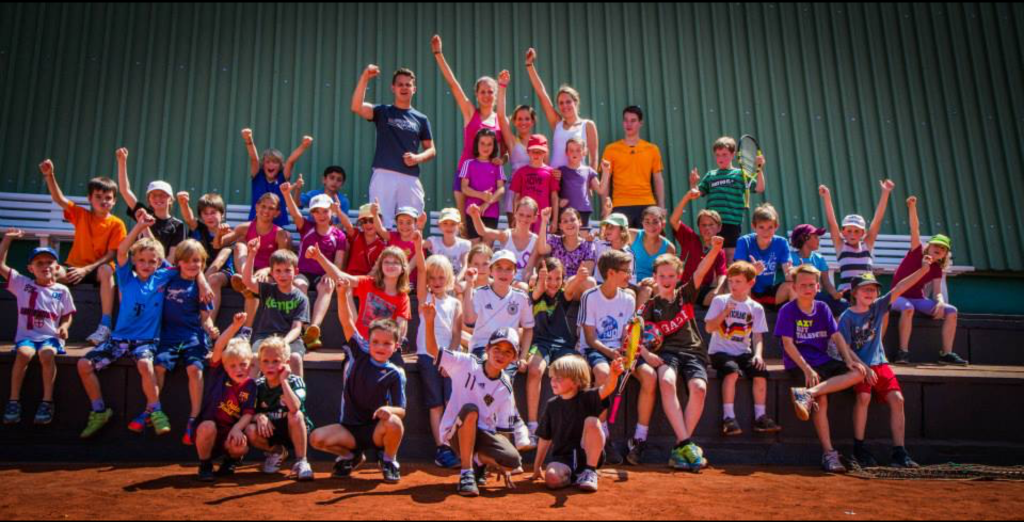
point(570, 248)
point(482, 182)
point(483, 116)
point(579, 182)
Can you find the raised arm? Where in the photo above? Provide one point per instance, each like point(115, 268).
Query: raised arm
point(247, 267)
point(359, 105)
point(468, 311)
point(915, 223)
point(222, 342)
point(883, 203)
point(421, 267)
point(143, 222)
point(543, 248)
point(254, 153)
point(461, 100)
point(538, 87)
point(542, 282)
point(346, 311)
point(577, 284)
point(343, 279)
point(830, 217)
point(594, 145)
point(186, 211)
point(487, 235)
point(508, 134)
point(346, 223)
point(709, 261)
point(46, 167)
point(289, 165)
point(378, 225)
point(908, 283)
point(225, 236)
point(761, 183)
point(429, 314)
point(289, 201)
point(122, 179)
point(5, 246)
point(677, 215)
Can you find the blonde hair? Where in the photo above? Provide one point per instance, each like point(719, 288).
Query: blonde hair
point(566, 89)
point(270, 197)
point(623, 232)
point(573, 368)
point(378, 269)
point(479, 249)
point(765, 213)
point(710, 214)
point(807, 269)
point(529, 202)
point(276, 343)
point(273, 154)
point(578, 141)
point(440, 264)
point(238, 350)
point(670, 260)
point(147, 243)
point(189, 249)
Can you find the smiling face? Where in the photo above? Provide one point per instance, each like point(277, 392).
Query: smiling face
point(853, 235)
point(724, 157)
point(653, 225)
point(866, 295)
point(102, 201)
point(485, 90)
point(404, 87)
point(146, 262)
point(523, 122)
point(618, 278)
point(709, 228)
point(437, 280)
point(271, 167)
point(391, 266)
point(368, 228)
point(267, 212)
point(321, 216)
point(283, 274)
point(44, 269)
point(499, 356)
point(482, 264)
point(406, 226)
point(504, 273)
point(938, 253)
point(190, 268)
point(554, 281)
point(569, 224)
point(382, 345)
point(525, 216)
point(160, 202)
point(666, 277)
point(568, 107)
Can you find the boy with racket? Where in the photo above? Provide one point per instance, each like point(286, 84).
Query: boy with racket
point(683, 354)
point(728, 189)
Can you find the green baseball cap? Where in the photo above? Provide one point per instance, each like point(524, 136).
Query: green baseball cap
point(942, 241)
point(616, 220)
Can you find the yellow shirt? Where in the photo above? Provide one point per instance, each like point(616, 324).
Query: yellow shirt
point(632, 170)
point(93, 237)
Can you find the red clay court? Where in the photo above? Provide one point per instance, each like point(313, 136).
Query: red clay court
point(171, 492)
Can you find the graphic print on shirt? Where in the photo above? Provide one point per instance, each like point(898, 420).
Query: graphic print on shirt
point(608, 329)
point(377, 308)
point(35, 319)
point(737, 326)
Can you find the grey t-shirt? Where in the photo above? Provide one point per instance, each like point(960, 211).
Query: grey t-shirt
point(278, 310)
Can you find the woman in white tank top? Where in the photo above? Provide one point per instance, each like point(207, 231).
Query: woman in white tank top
point(566, 120)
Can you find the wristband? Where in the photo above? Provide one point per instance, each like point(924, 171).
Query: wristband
point(503, 85)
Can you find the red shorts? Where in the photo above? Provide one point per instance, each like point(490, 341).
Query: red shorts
point(886, 384)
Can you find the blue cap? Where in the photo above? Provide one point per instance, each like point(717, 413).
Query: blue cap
point(41, 251)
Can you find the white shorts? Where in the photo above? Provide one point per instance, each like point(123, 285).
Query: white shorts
point(395, 190)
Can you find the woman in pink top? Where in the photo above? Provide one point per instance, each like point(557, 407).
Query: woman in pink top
point(483, 116)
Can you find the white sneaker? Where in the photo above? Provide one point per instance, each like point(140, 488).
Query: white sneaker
point(274, 461)
point(302, 471)
point(524, 442)
point(587, 481)
point(100, 336)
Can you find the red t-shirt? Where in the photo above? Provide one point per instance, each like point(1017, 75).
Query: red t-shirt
point(362, 257)
point(910, 264)
point(692, 252)
point(375, 304)
point(537, 184)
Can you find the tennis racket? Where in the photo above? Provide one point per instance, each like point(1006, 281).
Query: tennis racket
point(636, 331)
point(747, 153)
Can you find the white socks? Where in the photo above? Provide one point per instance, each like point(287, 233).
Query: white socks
point(641, 433)
point(759, 411)
point(729, 411)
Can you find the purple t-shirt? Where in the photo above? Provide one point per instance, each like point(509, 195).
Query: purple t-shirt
point(810, 333)
point(572, 260)
point(330, 244)
point(575, 185)
point(482, 176)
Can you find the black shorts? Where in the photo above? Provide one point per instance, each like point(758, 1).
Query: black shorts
point(585, 220)
point(726, 365)
point(282, 435)
point(577, 461)
point(731, 234)
point(825, 371)
point(363, 436)
point(497, 447)
point(471, 233)
point(635, 214)
point(687, 365)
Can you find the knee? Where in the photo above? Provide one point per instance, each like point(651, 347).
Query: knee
point(469, 414)
point(145, 366)
point(863, 400)
point(206, 429)
point(316, 439)
point(302, 285)
point(907, 312)
point(394, 424)
point(250, 432)
point(104, 272)
point(896, 401)
point(85, 367)
point(194, 372)
point(296, 419)
point(295, 360)
point(25, 355)
point(593, 423)
point(698, 389)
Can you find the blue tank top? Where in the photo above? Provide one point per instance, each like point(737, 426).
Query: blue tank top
point(644, 261)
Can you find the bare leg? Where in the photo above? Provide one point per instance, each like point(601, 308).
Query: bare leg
point(217, 283)
point(906, 328)
point(105, 276)
point(534, 383)
point(670, 403)
point(467, 437)
point(206, 436)
point(25, 356)
point(149, 386)
point(47, 359)
point(648, 394)
point(299, 434)
point(435, 424)
point(334, 439)
point(821, 424)
point(593, 441)
point(948, 332)
point(389, 435)
point(729, 389)
point(90, 381)
point(195, 390)
point(898, 418)
point(760, 391)
point(860, 416)
point(698, 391)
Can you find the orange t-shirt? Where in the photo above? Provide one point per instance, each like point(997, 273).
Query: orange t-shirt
point(632, 168)
point(94, 237)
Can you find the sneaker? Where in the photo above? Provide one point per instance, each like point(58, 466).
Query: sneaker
point(901, 357)
point(587, 481)
point(189, 438)
point(302, 471)
point(138, 424)
point(612, 456)
point(687, 458)
point(44, 415)
point(468, 484)
point(864, 458)
point(238, 285)
point(275, 458)
point(480, 472)
point(391, 471)
point(100, 336)
point(206, 472)
point(97, 420)
point(312, 338)
point(161, 424)
point(228, 467)
point(952, 359)
point(901, 459)
point(831, 464)
point(635, 453)
point(803, 403)
point(731, 428)
point(446, 458)
point(765, 424)
point(524, 440)
point(343, 468)
point(12, 413)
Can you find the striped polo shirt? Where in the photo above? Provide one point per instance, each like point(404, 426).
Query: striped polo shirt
point(854, 261)
point(726, 191)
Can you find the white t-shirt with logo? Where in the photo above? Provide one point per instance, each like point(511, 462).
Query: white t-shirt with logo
point(609, 317)
point(40, 308)
point(494, 312)
point(470, 385)
point(735, 334)
point(454, 253)
point(444, 323)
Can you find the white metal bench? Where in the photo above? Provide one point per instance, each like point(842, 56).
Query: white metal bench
point(889, 253)
point(435, 230)
point(38, 217)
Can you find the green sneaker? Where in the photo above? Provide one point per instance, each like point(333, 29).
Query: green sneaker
point(687, 458)
point(96, 422)
point(161, 424)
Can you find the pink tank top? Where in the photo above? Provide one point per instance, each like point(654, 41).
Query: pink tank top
point(468, 137)
point(268, 245)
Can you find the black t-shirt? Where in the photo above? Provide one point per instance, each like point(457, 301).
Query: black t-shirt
point(677, 322)
point(563, 421)
point(555, 322)
point(169, 232)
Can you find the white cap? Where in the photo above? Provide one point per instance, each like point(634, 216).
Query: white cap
point(853, 220)
point(161, 186)
point(321, 201)
point(503, 255)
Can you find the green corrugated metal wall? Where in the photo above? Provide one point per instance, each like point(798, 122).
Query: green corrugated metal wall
point(838, 93)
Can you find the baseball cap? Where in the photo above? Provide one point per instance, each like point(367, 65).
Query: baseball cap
point(365, 212)
point(505, 335)
point(865, 279)
point(942, 241)
point(321, 201)
point(41, 251)
point(802, 233)
point(503, 255)
point(854, 220)
point(616, 220)
point(161, 186)
point(537, 141)
point(450, 214)
point(408, 211)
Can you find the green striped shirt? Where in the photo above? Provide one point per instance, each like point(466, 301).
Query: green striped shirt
point(726, 191)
